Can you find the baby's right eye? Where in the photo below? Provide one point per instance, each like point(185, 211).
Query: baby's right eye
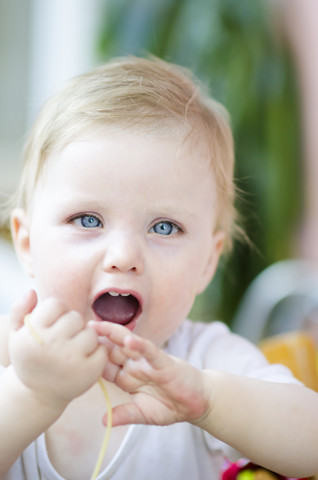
point(87, 221)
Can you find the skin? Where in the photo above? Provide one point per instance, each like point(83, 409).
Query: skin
point(100, 178)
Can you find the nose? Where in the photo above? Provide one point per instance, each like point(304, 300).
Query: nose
point(123, 254)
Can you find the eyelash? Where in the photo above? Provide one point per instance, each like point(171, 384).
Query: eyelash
point(81, 218)
point(173, 226)
point(175, 229)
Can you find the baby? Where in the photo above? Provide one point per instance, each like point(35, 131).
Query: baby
point(124, 207)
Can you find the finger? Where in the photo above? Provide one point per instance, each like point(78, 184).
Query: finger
point(48, 312)
point(114, 332)
point(86, 340)
point(21, 308)
point(68, 325)
point(103, 340)
point(121, 349)
point(134, 345)
point(110, 372)
point(126, 414)
point(96, 361)
point(32, 330)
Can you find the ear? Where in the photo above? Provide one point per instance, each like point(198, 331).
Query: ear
point(21, 239)
point(212, 261)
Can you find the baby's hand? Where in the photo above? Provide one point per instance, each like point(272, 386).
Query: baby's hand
point(70, 358)
point(164, 389)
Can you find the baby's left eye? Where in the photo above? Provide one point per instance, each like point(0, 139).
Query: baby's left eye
point(87, 221)
point(165, 228)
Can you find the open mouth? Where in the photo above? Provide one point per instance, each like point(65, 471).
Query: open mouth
point(118, 308)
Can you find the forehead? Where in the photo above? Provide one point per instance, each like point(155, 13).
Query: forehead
point(113, 147)
point(122, 165)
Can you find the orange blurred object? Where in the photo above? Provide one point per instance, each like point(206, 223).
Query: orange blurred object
point(297, 351)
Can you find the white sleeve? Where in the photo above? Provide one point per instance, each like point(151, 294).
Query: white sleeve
point(214, 347)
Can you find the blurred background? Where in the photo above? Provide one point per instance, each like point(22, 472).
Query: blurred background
point(258, 57)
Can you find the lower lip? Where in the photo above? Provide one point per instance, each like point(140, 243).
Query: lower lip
point(131, 325)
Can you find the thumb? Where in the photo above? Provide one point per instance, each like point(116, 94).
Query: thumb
point(125, 414)
point(21, 308)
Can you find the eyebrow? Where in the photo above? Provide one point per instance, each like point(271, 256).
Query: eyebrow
point(182, 213)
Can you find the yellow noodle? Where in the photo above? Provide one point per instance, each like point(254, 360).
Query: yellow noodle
point(103, 449)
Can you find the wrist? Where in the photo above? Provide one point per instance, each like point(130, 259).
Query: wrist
point(30, 398)
point(209, 387)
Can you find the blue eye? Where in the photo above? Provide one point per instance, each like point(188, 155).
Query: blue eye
point(88, 221)
point(165, 228)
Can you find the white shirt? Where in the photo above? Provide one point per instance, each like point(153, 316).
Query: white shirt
point(180, 451)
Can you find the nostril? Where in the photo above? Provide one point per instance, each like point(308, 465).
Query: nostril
point(114, 267)
point(122, 264)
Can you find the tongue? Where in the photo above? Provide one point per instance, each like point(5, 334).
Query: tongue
point(118, 309)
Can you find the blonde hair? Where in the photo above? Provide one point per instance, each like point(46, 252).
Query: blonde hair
point(143, 94)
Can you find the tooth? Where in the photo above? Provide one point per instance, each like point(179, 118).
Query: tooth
point(125, 294)
point(113, 294)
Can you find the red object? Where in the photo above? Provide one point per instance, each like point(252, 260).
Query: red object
point(231, 470)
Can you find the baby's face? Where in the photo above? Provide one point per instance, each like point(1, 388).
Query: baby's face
point(130, 215)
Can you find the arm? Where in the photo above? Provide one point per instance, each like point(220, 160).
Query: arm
point(44, 379)
point(253, 416)
point(23, 418)
point(273, 424)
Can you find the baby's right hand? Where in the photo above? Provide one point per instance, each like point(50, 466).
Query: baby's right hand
point(68, 362)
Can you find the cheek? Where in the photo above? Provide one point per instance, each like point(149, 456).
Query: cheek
point(175, 294)
point(182, 283)
point(65, 285)
point(55, 273)
point(181, 276)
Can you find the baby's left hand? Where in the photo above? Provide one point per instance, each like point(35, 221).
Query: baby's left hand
point(164, 389)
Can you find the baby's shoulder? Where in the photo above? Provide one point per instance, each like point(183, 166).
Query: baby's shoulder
point(4, 338)
point(214, 346)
